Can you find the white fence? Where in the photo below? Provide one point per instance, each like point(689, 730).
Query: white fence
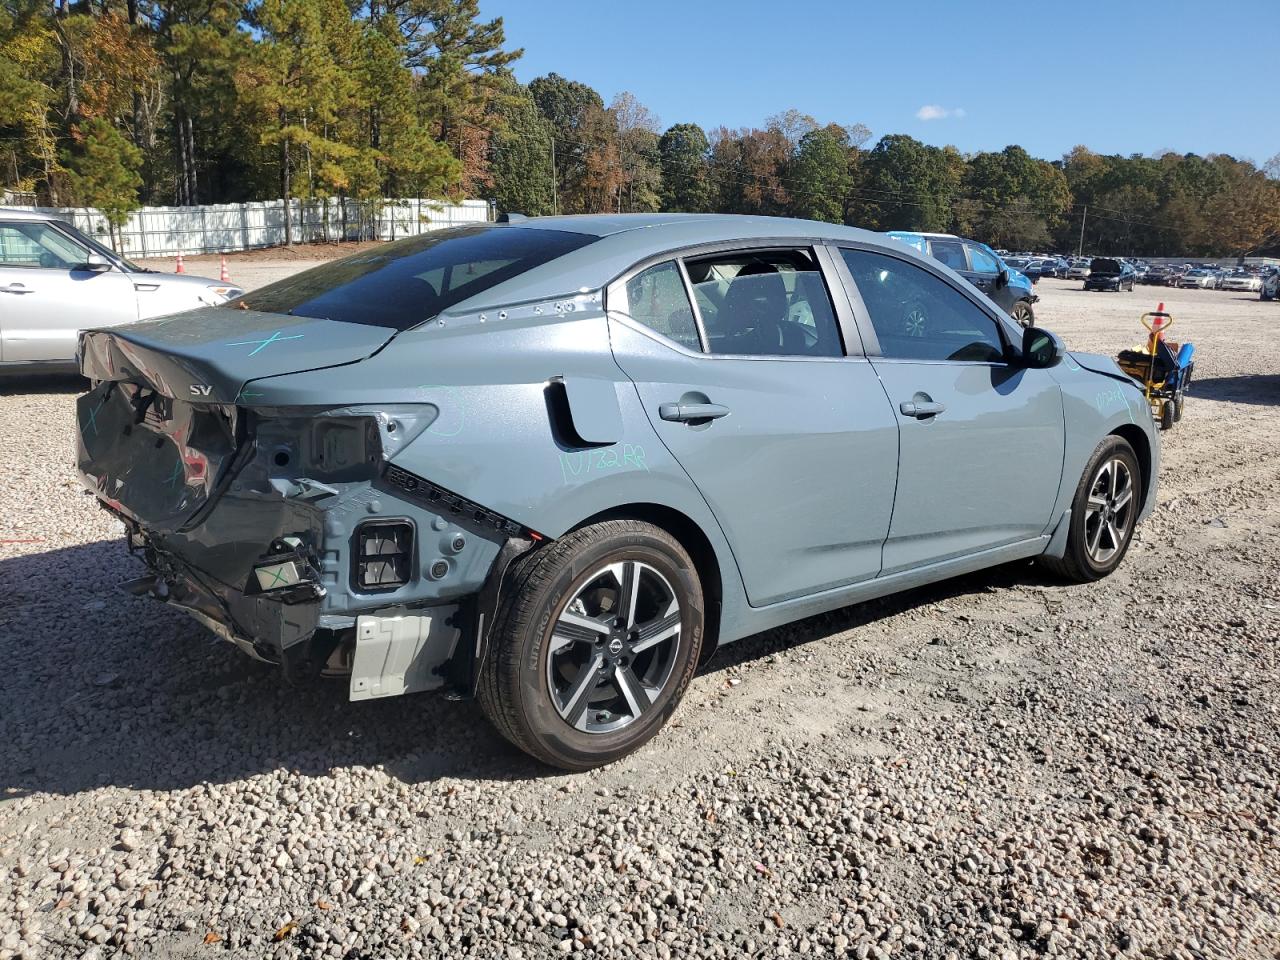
point(164, 231)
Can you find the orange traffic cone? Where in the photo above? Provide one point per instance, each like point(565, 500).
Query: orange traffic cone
point(223, 276)
point(180, 268)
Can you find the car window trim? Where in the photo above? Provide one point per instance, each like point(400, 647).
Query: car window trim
point(704, 343)
point(620, 294)
point(615, 290)
point(863, 316)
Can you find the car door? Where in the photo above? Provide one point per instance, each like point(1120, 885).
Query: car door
point(981, 438)
point(47, 294)
point(984, 273)
point(790, 441)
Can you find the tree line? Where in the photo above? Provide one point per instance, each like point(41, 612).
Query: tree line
point(119, 103)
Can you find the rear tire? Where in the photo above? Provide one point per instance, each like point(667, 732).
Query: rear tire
point(1103, 514)
point(574, 675)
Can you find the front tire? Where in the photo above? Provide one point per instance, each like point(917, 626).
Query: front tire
point(1104, 512)
point(595, 644)
point(1022, 314)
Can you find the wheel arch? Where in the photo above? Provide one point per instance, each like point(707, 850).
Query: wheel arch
point(1136, 438)
point(696, 543)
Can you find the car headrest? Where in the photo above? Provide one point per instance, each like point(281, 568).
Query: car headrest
point(756, 295)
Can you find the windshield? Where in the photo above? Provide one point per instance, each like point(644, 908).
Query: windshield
point(407, 282)
point(96, 247)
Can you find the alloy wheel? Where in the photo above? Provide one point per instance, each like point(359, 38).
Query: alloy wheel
point(613, 647)
point(1109, 511)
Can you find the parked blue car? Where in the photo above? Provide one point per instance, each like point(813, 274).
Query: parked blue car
point(979, 264)
point(556, 463)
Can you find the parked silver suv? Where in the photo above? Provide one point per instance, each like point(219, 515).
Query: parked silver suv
point(56, 281)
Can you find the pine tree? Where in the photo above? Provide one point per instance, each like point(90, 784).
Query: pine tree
point(103, 172)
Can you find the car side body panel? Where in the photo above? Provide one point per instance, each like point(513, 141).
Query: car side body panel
point(1098, 399)
point(502, 434)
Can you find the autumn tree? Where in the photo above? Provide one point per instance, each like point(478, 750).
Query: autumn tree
point(636, 129)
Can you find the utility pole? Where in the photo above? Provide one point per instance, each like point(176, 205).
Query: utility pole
point(555, 201)
point(1083, 217)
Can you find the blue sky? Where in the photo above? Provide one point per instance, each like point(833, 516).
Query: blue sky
point(1120, 76)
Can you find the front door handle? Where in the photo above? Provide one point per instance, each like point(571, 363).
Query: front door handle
point(687, 412)
point(921, 409)
point(16, 288)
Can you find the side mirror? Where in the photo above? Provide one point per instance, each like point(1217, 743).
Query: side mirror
point(97, 263)
point(1002, 278)
point(1041, 348)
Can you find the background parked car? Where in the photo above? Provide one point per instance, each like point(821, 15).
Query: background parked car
point(1241, 280)
point(55, 281)
point(1079, 268)
point(1199, 277)
point(1034, 269)
point(1008, 287)
point(1270, 285)
point(1108, 274)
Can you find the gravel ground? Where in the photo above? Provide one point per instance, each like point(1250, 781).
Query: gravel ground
point(998, 766)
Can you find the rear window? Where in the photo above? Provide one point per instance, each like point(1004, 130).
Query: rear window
point(407, 282)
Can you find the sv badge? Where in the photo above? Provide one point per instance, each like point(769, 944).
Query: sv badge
point(201, 390)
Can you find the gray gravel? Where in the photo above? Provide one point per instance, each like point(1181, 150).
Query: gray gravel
point(999, 766)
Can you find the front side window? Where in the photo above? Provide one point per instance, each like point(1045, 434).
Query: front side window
point(765, 303)
point(918, 316)
point(407, 282)
point(656, 298)
point(29, 243)
point(982, 261)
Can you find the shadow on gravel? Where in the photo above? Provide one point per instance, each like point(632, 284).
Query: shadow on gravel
point(100, 689)
point(824, 625)
point(68, 383)
point(1258, 388)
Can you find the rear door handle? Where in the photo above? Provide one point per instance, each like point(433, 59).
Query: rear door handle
point(16, 288)
point(920, 409)
point(685, 412)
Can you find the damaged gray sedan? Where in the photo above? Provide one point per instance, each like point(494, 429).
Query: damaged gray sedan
point(555, 463)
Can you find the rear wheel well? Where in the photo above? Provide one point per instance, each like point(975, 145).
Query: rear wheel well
point(1133, 434)
point(697, 545)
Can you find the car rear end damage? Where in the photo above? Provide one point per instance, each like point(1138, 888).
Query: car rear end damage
point(287, 530)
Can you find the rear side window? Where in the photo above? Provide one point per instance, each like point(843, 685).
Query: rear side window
point(918, 316)
point(407, 282)
point(765, 303)
point(950, 252)
point(656, 298)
